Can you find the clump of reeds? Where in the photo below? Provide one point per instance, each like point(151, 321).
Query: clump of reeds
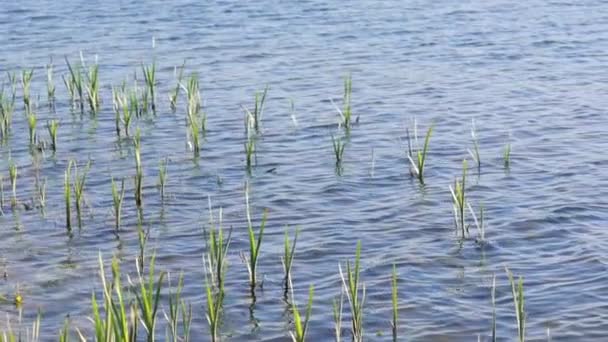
point(459, 201)
point(517, 289)
point(418, 156)
point(7, 107)
point(255, 116)
point(32, 120)
point(117, 199)
point(346, 102)
point(78, 186)
point(92, 87)
point(249, 152)
point(26, 82)
point(148, 297)
point(289, 250)
point(139, 173)
point(173, 95)
point(479, 223)
point(301, 326)
point(117, 323)
point(215, 303)
point(162, 177)
point(41, 192)
point(74, 83)
point(196, 118)
point(338, 146)
point(52, 126)
point(475, 152)
point(178, 311)
point(50, 84)
point(150, 79)
point(12, 171)
point(254, 243)
point(355, 292)
point(337, 315)
point(124, 108)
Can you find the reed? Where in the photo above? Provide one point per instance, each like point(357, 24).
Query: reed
point(150, 79)
point(117, 199)
point(258, 107)
point(32, 120)
point(394, 301)
point(195, 134)
point(418, 156)
point(506, 155)
point(347, 112)
point(355, 292)
point(178, 311)
point(148, 297)
point(479, 223)
point(26, 82)
point(289, 250)
point(173, 95)
point(459, 201)
point(217, 250)
point(134, 103)
point(122, 109)
point(12, 171)
point(2, 194)
point(92, 87)
point(50, 84)
point(78, 186)
point(301, 326)
point(52, 126)
point(75, 83)
point(67, 195)
point(249, 152)
point(254, 243)
point(338, 146)
point(116, 324)
point(41, 192)
point(215, 303)
point(475, 152)
point(7, 107)
point(517, 290)
point(493, 294)
point(162, 177)
point(139, 173)
point(337, 315)
point(64, 333)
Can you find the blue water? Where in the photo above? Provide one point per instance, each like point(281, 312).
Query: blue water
point(530, 73)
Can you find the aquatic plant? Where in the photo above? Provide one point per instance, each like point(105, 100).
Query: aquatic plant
point(67, 196)
point(493, 294)
point(117, 199)
point(289, 250)
point(217, 247)
point(150, 78)
point(26, 82)
point(337, 315)
point(254, 244)
point(148, 297)
point(479, 223)
point(418, 156)
point(249, 152)
point(74, 83)
point(139, 173)
point(506, 155)
point(178, 311)
point(50, 84)
point(52, 126)
point(338, 146)
point(394, 301)
point(64, 333)
point(116, 324)
point(215, 303)
point(195, 122)
point(459, 201)
point(475, 152)
point(517, 290)
point(355, 293)
point(7, 107)
point(173, 95)
point(301, 326)
point(162, 176)
point(346, 102)
point(12, 171)
point(41, 192)
point(78, 186)
point(32, 120)
point(92, 87)
point(258, 107)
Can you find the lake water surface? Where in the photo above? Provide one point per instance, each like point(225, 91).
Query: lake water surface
point(531, 73)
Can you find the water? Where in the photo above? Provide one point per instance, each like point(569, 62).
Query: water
point(534, 70)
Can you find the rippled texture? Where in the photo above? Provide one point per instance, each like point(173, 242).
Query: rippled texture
point(535, 69)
